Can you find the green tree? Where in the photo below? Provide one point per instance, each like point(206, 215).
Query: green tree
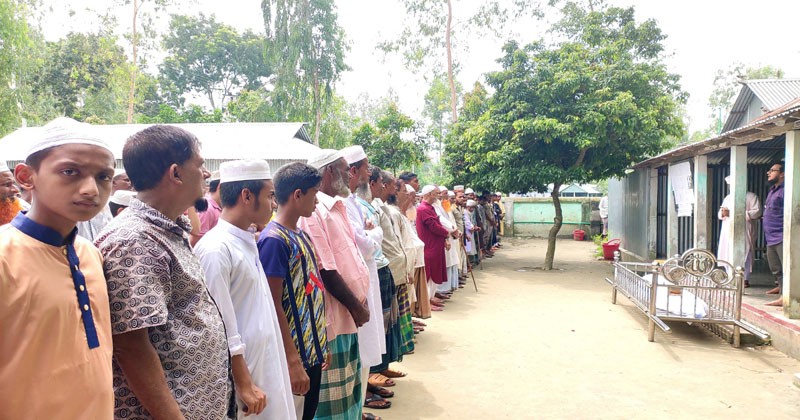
point(212, 58)
point(581, 110)
point(14, 41)
point(306, 42)
point(437, 111)
point(78, 68)
point(393, 142)
point(727, 84)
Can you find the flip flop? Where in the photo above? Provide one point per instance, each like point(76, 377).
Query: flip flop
point(375, 402)
point(383, 392)
point(369, 416)
point(393, 373)
point(379, 380)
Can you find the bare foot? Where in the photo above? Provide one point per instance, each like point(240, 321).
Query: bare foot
point(774, 291)
point(777, 302)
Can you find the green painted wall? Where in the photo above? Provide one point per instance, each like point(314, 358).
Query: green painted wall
point(534, 216)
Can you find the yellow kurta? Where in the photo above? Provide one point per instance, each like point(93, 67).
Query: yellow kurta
point(47, 369)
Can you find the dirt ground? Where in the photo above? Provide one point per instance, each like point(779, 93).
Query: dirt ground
point(533, 345)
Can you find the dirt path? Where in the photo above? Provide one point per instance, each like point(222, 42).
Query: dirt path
point(535, 344)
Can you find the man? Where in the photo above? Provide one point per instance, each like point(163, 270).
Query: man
point(499, 214)
point(170, 350)
point(410, 178)
point(55, 333)
point(210, 215)
point(9, 203)
point(431, 231)
point(292, 269)
point(237, 282)
point(368, 238)
point(752, 212)
point(773, 229)
point(603, 209)
point(120, 182)
point(457, 201)
point(346, 281)
point(471, 241)
point(120, 201)
point(402, 274)
point(422, 303)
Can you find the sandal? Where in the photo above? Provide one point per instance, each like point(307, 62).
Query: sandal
point(375, 402)
point(393, 373)
point(369, 416)
point(379, 380)
point(383, 392)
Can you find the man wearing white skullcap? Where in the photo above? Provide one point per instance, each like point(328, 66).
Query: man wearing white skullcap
point(751, 212)
point(240, 289)
point(120, 201)
point(371, 342)
point(431, 231)
point(346, 280)
point(54, 297)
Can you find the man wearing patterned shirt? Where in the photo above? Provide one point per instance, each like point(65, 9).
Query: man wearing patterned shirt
point(290, 264)
point(171, 356)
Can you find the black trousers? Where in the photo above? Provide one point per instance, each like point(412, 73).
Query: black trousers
point(312, 397)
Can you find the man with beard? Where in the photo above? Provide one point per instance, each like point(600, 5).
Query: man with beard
point(435, 236)
point(773, 229)
point(422, 302)
point(346, 281)
point(371, 342)
point(9, 203)
point(411, 178)
point(170, 348)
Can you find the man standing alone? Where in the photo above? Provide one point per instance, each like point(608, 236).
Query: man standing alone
point(773, 229)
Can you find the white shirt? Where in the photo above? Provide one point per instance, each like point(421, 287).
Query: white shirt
point(371, 335)
point(237, 282)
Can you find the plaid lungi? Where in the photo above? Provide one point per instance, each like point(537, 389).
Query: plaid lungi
point(404, 319)
point(340, 391)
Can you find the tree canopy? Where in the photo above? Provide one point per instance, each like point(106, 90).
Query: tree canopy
point(579, 110)
point(393, 142)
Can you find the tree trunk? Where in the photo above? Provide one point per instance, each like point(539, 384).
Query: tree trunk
point(317, 110)
point(551, 238)
point(453, 98)
point(132, 92)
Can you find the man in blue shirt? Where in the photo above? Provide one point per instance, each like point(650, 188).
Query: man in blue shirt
point(773, 228)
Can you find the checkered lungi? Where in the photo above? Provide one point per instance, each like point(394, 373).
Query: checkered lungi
point(340, 394)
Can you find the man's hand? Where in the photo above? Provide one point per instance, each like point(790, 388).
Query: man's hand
point(253, 399)
point(327, 363)
point(447, 246)
point(725, 212)
point(299, 378)
point(368, 225)
point(360, 314)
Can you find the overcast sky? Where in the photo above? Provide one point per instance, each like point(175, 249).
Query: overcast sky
point(702, 37)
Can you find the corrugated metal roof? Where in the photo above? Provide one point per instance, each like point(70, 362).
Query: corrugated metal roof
point(784, 119)
point(773, 93)
point(226, 141)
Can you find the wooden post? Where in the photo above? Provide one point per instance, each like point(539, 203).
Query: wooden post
point(791, 226)
point(701, 213)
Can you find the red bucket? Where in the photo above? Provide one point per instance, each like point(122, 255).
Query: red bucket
point(578, 235)
point(609, 248)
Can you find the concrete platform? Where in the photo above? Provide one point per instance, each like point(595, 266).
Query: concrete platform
point(784, 332)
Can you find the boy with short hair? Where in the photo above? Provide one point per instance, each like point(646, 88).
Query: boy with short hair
point(55, 340)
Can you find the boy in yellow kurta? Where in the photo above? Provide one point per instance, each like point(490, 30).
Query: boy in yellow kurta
point(55, 329)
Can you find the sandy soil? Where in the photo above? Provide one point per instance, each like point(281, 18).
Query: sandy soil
point(534, 344)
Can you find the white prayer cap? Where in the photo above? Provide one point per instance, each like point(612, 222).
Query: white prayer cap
point(428, 188)
point(470, 203)
point(62, 131)
point(410, 189)
point(4, 167)
point(324, 157)
point(244, 170)
point(458, 188)
point(498, 194)
point(214, 176)
point(442, 188)
point(118, 172)
point(451, 194)
point(122, 197)
point(353, 154)
point(727, 179)
point(469, 191)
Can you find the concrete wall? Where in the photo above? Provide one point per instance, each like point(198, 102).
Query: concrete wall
point(533, 217)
